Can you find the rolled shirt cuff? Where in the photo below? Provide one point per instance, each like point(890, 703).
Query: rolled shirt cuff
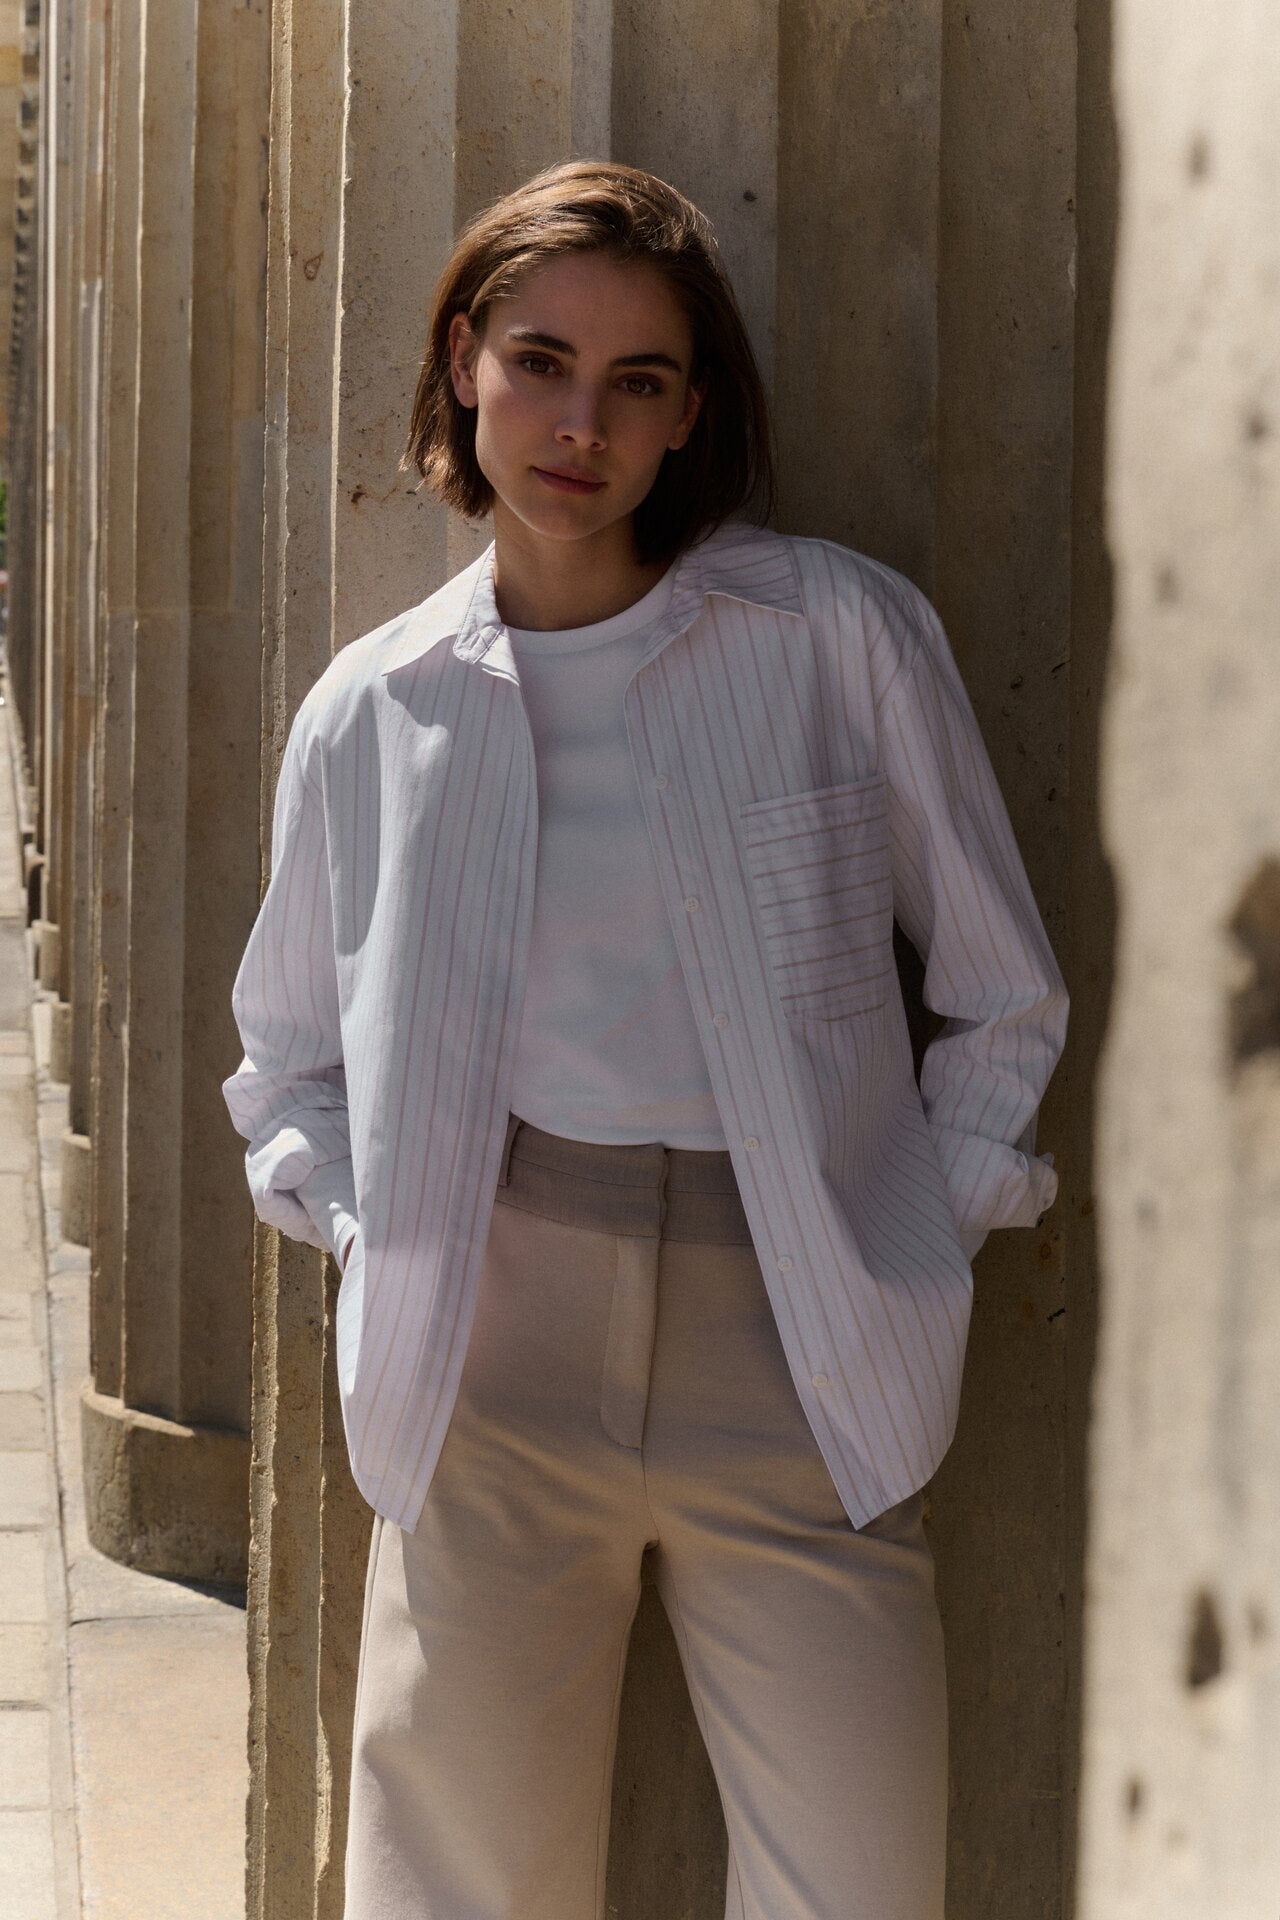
point(329, 1196)
point(991, 1183)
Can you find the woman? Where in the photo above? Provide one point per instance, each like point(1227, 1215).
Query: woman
point(571, 1024)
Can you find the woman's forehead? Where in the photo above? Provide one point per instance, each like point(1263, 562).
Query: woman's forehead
point(594, 296)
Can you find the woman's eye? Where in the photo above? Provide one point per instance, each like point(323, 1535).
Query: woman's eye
point(535, 362)
point(640, 383)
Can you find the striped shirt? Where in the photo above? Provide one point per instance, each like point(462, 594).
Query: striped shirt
point(811, 770)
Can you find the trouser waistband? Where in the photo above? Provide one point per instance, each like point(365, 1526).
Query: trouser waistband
point(648, 1192)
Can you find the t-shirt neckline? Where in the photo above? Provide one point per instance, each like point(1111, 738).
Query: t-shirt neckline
point(641, 614)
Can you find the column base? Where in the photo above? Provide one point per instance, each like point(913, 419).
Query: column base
point(163, 1497)
point(74, 1187)
point(33, 880)
point(48, 953)
point(60, 1042)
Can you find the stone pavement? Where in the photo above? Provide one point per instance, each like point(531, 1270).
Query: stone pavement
point(123, 1698)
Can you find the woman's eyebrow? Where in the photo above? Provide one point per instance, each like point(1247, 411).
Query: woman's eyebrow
point(533, 338)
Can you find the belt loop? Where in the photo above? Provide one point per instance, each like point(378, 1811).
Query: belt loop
point(504, 1171)
point(663, 1176)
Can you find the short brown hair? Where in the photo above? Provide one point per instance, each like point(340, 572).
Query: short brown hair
point(580, 206)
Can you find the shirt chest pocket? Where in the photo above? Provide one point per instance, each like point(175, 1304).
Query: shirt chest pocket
point(819, 871)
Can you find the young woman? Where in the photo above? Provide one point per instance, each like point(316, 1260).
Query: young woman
point(571, 1024)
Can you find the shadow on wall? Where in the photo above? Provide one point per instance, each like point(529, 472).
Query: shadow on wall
point(1092, 894)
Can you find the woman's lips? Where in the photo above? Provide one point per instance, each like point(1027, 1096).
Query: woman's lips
point(565, 484)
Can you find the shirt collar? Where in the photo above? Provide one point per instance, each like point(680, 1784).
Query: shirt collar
point(740, 561)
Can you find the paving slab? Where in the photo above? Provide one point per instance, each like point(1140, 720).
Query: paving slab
point(22, 1422)
point(17, 1116)
point(24, 1598)
point(159, 1709)
point(15, 972)
point(24, 1665)
point(17, 1327)
point(30, 1869)
point(21, 1370)
point(24, 1489)
point(24, 1757)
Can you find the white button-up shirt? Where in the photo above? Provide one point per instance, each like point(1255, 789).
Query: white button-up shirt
point(811, 770)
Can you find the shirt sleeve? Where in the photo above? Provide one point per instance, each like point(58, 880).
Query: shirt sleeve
point(288, 1097)
point(962, 897)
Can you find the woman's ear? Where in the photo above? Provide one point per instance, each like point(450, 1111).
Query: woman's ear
point(692, 404)
point(463, 345)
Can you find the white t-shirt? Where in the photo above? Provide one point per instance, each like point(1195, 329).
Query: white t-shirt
point(608, 1047)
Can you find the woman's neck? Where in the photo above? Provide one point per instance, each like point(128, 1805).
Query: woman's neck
point(545, 585)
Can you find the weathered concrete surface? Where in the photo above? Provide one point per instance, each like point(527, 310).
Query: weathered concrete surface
point(1182, 1730)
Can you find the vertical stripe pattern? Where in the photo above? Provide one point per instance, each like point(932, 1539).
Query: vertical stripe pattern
point(810, 769)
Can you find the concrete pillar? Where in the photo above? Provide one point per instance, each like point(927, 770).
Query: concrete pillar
point(18, 409)
point(12, 214)
point(34, 146)
point(290, 1833)
point(88, 56)
point(117, 535)
point(58, 335)
point(166, 1421)
point(73, 524)
point(1182, 1745)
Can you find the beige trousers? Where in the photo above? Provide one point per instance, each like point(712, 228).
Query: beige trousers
point(625, 1392)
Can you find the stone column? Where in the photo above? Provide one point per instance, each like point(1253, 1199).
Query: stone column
point(72, 1053)
point(117, 531)
point(290, 1842)
point(10, 212)
point(166, 1421)
point(1182, 1743)
point(26, 461)
point(57, 332)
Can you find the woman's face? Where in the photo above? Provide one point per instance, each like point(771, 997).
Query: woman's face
point(582, 384)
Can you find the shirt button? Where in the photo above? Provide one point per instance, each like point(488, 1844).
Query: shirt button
point(662, 783)
point(692, 904)
point(721, 1020)
point(751, 1144)
point(821, 1380)
point(786, 1263)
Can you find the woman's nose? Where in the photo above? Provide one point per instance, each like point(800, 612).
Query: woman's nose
point(581, 420)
